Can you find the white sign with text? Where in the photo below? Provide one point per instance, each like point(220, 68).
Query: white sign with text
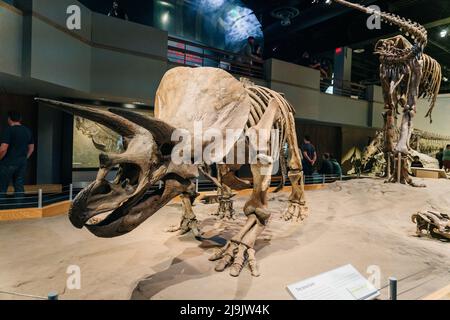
point(344, 283)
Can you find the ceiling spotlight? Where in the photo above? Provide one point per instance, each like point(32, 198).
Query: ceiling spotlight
point(359, 50)
point(445, 79)
point(443, 33)
point(285, 14)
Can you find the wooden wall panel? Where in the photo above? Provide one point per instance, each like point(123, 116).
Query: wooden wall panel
point(326, 138)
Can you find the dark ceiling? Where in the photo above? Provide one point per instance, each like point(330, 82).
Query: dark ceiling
point(320, 28)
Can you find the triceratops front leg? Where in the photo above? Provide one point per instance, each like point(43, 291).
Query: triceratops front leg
point(240, 249)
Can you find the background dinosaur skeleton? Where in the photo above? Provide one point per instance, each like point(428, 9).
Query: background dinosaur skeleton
point(406, 74)
point(424, 145)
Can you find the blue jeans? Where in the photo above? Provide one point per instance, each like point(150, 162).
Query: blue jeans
point(13, 173)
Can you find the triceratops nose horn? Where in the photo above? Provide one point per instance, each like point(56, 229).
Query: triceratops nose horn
point(113, 121)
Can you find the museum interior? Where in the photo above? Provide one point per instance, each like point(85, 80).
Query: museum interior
point(346, 198)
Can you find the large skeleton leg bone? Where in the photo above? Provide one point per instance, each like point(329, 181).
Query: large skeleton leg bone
point(240, 249)
point(296, 210)
point(389, 124)
point(409, 110)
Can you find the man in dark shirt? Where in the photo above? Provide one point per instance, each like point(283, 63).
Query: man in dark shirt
point(117, 11)
point(16, 146)
point(309, 156)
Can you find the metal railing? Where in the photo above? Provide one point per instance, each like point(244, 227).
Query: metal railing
point(38, 199)
point(41, 199)
point(343, 88)
point(186, 53)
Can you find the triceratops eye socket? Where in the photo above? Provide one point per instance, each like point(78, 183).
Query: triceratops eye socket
point(166, 149)
point(105, 161)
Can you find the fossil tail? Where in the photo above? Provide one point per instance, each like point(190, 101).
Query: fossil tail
point(410, 28)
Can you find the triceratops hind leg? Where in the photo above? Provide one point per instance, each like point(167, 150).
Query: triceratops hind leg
point(297, 209)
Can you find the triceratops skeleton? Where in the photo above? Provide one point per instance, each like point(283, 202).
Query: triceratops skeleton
point(406, 74)
point(187, 96)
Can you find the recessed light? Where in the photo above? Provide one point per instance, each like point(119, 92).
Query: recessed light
point(359, 50)
point(443, 33)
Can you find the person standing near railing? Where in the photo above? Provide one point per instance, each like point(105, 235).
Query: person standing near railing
point(117, 11)
point(250, 51)
point(309, 156)
point(16, 147)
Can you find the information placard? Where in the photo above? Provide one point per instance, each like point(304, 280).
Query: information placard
point(344, 283)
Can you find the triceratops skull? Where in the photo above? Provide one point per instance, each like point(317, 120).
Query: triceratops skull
point(113, 208)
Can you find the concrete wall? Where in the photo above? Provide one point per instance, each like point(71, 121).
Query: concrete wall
point(59, 58)
point(108, 57)
point(136, 65)
point(301, 87)
point(441, 116)
point(56, 12)
point(343, 110)
point(11, 30)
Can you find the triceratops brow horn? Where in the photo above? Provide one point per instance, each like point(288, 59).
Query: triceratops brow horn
point(161, 131)
point(113, 121)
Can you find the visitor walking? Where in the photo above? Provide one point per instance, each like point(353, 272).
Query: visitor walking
point(16, 147)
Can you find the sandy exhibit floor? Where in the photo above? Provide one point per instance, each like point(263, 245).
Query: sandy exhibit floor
point(361, 222)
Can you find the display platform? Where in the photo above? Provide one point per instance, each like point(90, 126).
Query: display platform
point(363, 222)
point(57, 209)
